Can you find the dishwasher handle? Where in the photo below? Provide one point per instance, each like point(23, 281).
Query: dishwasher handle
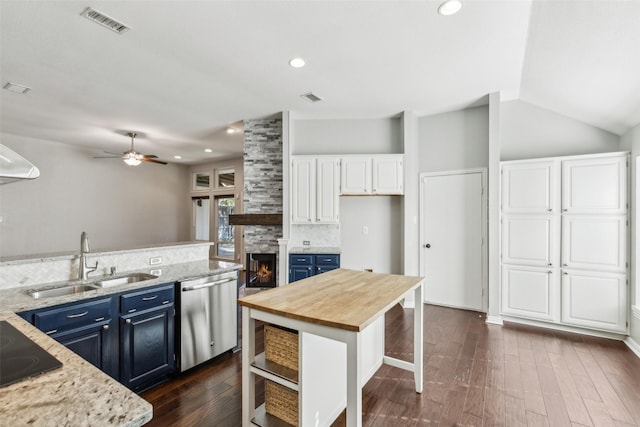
point(207, 285)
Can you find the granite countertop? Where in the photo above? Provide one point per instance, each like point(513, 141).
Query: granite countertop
point(16, 299)
point(78, 394)
point(313, 250)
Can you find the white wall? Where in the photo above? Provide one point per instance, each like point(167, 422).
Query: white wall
point(381, 248)
point(343, 136)
point(454, 140)
point(119, 206)
point(528, 132)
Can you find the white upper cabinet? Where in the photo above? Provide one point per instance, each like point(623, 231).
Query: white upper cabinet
point(356, 175)
point(303, 183)
point(327, 189)
point(387, 175)
point(595, 185)
point(315, 183)
point(372, 175)
point(529, 187)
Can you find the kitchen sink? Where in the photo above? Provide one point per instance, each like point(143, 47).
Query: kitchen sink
point(60, 291)
point(125, 280)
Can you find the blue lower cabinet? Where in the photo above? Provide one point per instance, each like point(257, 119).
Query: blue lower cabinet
point(302, 266)
point(147, 347)
point(94, 343)
point(147, 337)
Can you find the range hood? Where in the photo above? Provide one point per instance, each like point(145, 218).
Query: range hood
point(14, 167)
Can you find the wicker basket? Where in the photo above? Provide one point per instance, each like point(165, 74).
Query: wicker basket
point(281, 346)
point(281, 402)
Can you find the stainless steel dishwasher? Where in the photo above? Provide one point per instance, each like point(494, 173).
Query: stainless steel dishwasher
point(208, 318)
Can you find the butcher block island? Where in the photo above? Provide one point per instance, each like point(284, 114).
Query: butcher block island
point(325, 341)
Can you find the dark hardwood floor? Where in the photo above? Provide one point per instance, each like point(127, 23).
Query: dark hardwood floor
point(475, 375)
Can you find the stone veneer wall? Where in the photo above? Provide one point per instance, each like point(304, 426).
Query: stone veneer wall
point(262, 182)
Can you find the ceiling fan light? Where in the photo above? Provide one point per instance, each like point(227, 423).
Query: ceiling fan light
point(132, 159)
point(450, 7)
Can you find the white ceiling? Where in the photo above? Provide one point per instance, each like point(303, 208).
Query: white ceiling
point(188, 69)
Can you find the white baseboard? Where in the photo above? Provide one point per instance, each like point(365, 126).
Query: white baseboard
point(633, 345)
point(494, 320)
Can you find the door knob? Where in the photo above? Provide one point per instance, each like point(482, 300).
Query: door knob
point(428, 245)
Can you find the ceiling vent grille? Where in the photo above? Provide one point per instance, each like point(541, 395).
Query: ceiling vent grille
point(311, 97)
point(104, 20)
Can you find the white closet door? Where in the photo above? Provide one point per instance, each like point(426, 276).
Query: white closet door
point(530, 240)
point(529, 187)
point(531, 292)
point(594, 300)
point(594, 242)
point(452, 245)
point(595, 185)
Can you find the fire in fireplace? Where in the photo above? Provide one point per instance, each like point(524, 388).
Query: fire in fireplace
point(261, 270)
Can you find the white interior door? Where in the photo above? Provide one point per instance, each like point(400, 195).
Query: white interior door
point(453, 254)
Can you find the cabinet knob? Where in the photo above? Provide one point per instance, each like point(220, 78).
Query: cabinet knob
point(550, 265)
point(105, 327)
point(428, 245)
point(212, 343)
point(549, 272)
point(550, 210)
point(128, 321)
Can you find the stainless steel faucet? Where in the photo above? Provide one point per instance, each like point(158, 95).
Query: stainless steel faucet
point(84, 270)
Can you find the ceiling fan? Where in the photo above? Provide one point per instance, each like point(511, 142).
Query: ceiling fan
point(132, 157)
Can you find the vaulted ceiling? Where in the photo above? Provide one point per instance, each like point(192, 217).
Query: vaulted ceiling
point(187, 70)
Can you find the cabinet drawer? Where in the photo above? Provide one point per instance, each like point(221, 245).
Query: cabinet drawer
point(333, 260)
point(64, 318)
point(147, 298)
point(299, 259)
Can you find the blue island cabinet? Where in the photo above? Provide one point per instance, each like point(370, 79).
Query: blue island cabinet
point(302, 266)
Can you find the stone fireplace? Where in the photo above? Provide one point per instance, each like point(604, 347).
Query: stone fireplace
point(262, 188)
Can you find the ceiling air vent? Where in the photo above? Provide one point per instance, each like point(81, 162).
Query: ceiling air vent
point(104, 20)
point(311, 97)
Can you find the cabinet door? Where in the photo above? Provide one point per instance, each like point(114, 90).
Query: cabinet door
point(594, 242)
point(530, 292)
point(530, 240)
point(146, 347)
point(94, 343)
point(597, 185)
point(529, 187)
point(299, 272)
point(303, 183)
point(356, 175)
point(327, 189)
point(595, 300)
point(387, 175)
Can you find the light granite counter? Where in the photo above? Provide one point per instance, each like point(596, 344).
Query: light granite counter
point(314, 250)
point(78, 394)
point(17, 299)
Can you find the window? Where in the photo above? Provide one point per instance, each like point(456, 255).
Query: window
point(225, 178)
point(201, 181)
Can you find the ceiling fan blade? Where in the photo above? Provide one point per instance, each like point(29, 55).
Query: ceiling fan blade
point(115, 154)
point(150, 156)
point(146, 159)
point(107, 157)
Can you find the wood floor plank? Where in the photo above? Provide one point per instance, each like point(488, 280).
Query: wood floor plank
point(533, 400)
point(514, 412)
point(599, 414)
point(536, 420)
point(572, 399)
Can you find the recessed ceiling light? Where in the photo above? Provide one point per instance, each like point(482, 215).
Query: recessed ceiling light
point(231, 130)
point(17, 88)
point(208, 150)
point(177, 157)
point(450, 7)
point(297, 62)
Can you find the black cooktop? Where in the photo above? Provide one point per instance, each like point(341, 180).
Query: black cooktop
point(21, 358)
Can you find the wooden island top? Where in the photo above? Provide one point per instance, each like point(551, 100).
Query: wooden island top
point(341, 298)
